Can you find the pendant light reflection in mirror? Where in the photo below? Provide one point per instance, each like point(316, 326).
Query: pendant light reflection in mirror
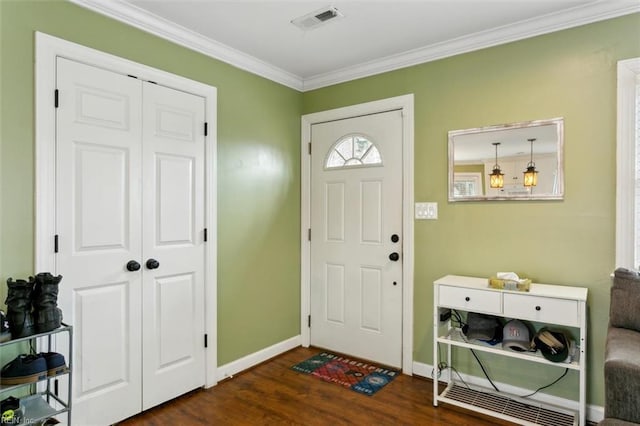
point(531, 174)
point(496, 177)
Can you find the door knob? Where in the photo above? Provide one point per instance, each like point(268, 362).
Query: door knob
point(394, 256)
point(152, 264)
point(395, 238)
point(133, 266)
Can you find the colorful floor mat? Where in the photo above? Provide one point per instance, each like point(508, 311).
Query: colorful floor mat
point(350, 373)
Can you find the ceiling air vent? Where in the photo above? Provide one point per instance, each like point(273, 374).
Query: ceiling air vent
point(315, 19)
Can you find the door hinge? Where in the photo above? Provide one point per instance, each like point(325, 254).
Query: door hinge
point(309, 321)
point(206, 128)
point(309, 148)
point(132, 76)
point(206, 343)
point(55, 98)
point(309, 236)
point(55, 243)
point(205, 235)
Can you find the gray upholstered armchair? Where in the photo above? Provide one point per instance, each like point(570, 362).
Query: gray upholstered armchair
point(622, 352)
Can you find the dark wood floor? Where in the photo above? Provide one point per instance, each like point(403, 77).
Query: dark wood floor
point(273, 394)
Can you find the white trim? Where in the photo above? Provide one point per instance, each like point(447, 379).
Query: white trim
point(45, 124)
point(145, 21)
point(227, 371)
point(404, 103)
point(211, 223)
point(47, 49)
point(595, 413)
point(628, 72)
point(150, 23)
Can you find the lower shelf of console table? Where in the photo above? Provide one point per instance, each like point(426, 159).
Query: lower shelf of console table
point(507, 407)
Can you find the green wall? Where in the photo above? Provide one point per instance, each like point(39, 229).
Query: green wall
point(570, 74)
point(258, 168)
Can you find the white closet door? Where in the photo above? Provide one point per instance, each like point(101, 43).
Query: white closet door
point(130, 187)
point(98, 222)
point(173, 212)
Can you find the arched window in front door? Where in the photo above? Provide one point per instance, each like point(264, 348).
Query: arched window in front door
point(353, 151)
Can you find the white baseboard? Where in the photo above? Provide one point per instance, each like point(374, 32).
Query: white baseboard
point(234, 367)
point(595, 413)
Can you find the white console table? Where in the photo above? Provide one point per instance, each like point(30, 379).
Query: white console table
point(544, 303)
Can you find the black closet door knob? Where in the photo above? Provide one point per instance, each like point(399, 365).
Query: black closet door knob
point(394, 256)
point(152, 264)
point(133, 266)
point(395, 238)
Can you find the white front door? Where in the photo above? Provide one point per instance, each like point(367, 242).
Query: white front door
point(130, 177)
point(356, 225)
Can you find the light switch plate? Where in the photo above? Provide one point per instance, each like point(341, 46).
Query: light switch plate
point(426, 211)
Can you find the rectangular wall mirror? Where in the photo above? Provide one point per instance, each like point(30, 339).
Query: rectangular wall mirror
point(489, 163)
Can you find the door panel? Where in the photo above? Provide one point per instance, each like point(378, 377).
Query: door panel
point(97, 337)
point(173, 170)
point(176, 123)
point(98, 219)
point(175, 195)
point(100, 106)
point(335, 211)
point(101, 198)
point(356, 290)
point(371, 211)
point(371, 291)
point(175, 332)
point(334, 284)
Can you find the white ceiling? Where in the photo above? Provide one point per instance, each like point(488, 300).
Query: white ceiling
point(374, 36)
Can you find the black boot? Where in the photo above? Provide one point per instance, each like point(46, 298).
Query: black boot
point(18, 303)
point(46, 313)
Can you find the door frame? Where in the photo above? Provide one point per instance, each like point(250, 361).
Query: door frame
point(405, 105)
point(47, 49)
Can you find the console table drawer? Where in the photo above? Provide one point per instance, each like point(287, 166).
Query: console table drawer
point(542, 309)
point(471, 300)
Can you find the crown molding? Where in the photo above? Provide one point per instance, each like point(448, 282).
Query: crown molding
point(145, 21)
point(546, 24)
point(141, 19)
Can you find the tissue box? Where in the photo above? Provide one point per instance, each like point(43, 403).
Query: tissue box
point(522, 284)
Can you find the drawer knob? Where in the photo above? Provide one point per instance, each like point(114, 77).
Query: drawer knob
point(467, 298)
point(538, 308)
